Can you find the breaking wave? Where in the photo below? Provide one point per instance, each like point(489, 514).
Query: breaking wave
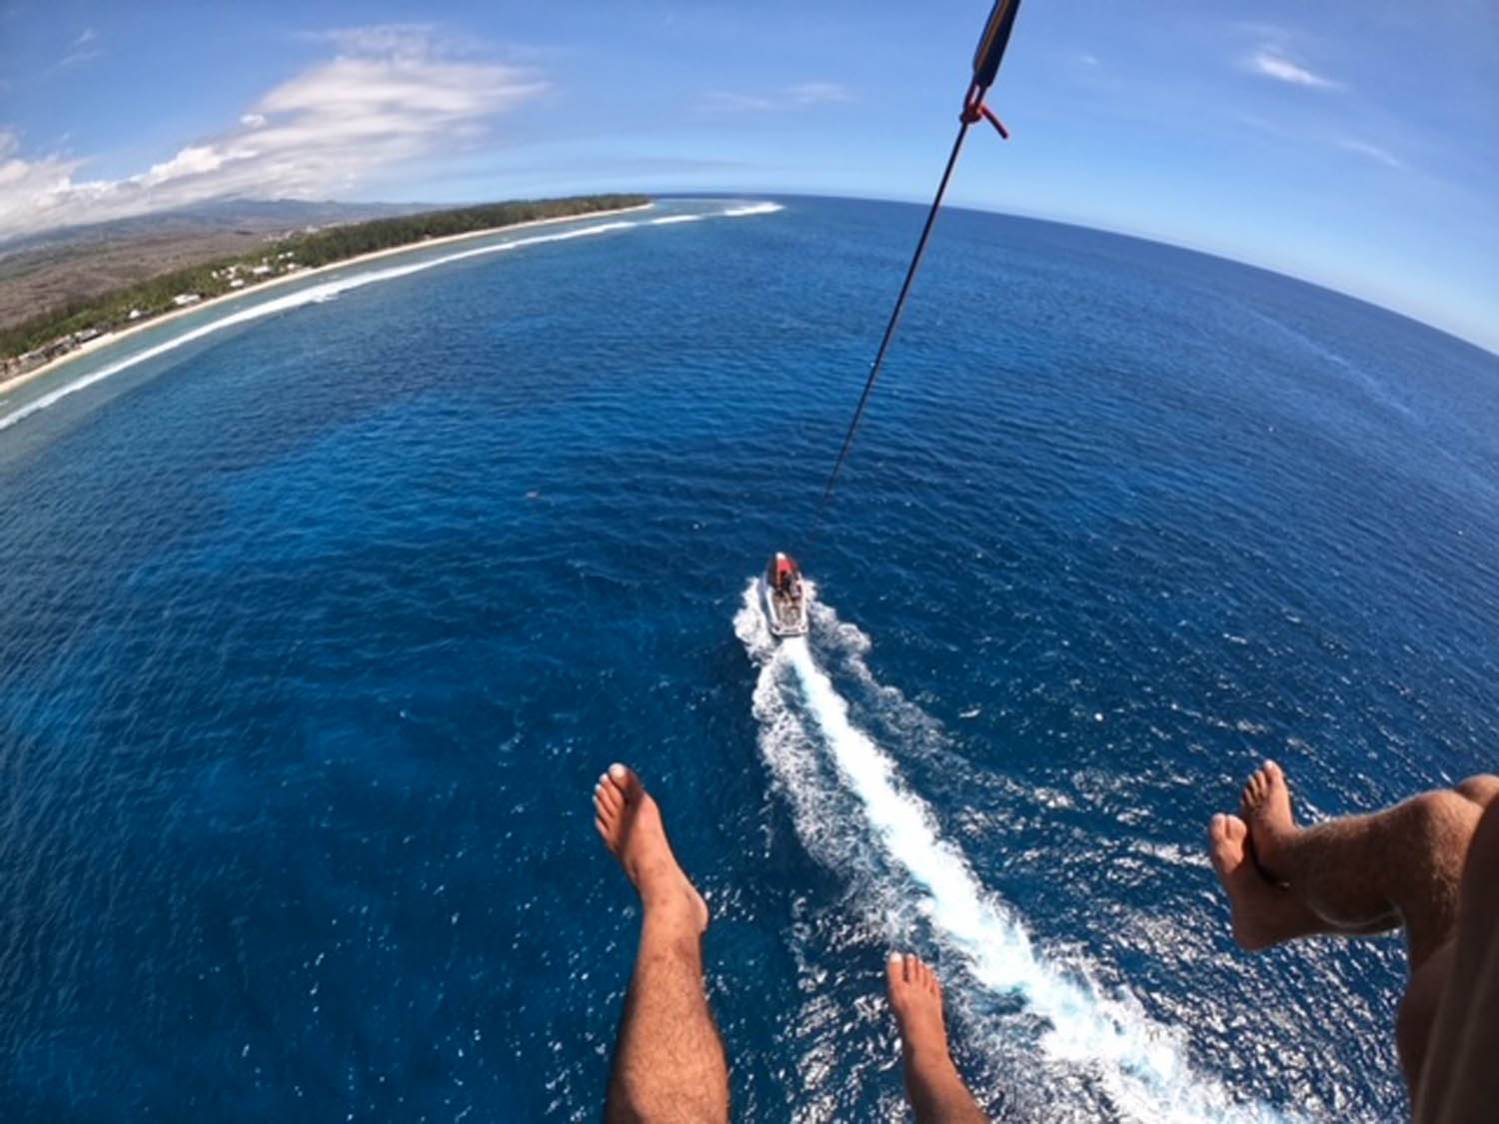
point(330, 289)
point(846, 792)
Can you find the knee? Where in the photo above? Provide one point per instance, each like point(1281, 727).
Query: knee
point(1481, 790)
point(1440, 820)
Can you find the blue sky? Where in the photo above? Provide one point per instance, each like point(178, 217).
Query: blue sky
point(1353, 144)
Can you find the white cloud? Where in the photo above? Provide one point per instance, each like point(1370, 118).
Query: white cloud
point(391, 98)
point(720, 100)
point(800, 96)
point(1271, 63)
point(1372, 151)
point(819, 93)
point(82, 49)
point(377, 39)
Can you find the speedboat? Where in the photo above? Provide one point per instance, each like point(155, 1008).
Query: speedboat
point(785, 597)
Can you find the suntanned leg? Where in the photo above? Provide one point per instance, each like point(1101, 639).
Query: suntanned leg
point(1356, 875)
point(669, 1061)
point(1399, 866)
point(1262, 914)
point(936, 1092)
point(1460, 1084)
point(1477, 912)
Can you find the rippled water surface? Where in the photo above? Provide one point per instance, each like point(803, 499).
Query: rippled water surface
point(318, 626)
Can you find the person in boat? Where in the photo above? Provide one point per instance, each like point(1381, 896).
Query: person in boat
point(669, 1063)
point(1429, 865)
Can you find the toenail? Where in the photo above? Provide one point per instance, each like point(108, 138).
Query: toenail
point(617, 771)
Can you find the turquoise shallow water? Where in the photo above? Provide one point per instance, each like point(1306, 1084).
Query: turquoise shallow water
point(319, 627)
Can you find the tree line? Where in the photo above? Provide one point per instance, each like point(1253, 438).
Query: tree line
point(322, 247)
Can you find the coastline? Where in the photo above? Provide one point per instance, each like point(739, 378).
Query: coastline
point(114, 337)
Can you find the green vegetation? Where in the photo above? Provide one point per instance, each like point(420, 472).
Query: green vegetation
point(323, 247)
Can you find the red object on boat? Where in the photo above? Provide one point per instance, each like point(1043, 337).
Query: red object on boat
point(785, 600)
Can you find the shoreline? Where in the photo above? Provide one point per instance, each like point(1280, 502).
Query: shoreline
point(285, 278)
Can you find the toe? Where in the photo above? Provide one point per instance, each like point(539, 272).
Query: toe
point(609, 792)
point(1224, 848)
point(908, 968)
point(626, 782)
point(1254, 791)
point(893, 970)
point(606, 802)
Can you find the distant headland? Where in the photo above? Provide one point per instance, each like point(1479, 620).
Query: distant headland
point(40, 340)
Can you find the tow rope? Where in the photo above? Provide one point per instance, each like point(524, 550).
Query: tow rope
point(986, 60)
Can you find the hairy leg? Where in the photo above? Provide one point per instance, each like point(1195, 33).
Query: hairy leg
point(1460, 1082)
point(936, 1092)
point(1364, 873)
point(1404, 866)
point(669, 1063)
point(1262, 914)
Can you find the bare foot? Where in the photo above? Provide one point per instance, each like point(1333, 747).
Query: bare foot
point(933, 1084)
point(916, 999)
point(1263, 914)
point(630, 822)
point(1266, 808)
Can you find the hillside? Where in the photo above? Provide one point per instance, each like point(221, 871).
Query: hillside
point(61, 327)
point(47, 273)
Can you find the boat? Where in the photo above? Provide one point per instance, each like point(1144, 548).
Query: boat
point(785, 597)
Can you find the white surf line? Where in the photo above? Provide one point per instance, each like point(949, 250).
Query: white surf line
point(328, 290)
point(754, 209)
point(1141, 1066)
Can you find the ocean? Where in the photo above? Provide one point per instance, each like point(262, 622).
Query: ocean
point(324, 608)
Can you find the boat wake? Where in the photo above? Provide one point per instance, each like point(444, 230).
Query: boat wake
point(847, 793)
point(336, 284)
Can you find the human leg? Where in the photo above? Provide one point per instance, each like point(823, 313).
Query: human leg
point(1262, 914)
point(669, 1063)
point(1356, 875)
point(933, 1086)
point(1460, 1082)
point(1371, 872)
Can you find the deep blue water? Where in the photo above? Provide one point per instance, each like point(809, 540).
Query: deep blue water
point(316, 633)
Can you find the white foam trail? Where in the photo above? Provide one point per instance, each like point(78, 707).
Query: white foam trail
point(754, 209)
point(1139, 1065)
point(328, 290)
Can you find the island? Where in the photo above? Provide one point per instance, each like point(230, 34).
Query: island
point(53, 333)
